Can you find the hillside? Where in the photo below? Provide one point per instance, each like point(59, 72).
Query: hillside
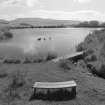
point(42, 22)
point(29, 22)
point(94, 45)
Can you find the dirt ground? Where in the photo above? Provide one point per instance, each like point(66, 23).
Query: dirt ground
point(90, 89)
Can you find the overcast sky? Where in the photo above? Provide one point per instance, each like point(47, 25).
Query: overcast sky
point(55, 9)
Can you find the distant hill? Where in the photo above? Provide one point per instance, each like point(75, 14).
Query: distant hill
point(28, 22)
point(41, 22)
point(3, 23)
point(35, 22)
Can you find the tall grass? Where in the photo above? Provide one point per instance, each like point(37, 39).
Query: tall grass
point(12, 91)
point(94, 45)
point(30, 59)
point(3, 74)
point(65, 64)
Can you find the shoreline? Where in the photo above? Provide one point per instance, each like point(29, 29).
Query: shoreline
point(46, 27)
point(70, 56)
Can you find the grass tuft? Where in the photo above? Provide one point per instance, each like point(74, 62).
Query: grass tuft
point(65, 64)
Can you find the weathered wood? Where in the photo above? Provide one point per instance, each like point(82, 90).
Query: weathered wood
point(52, 85)
point(52, 89)
point(74, 91)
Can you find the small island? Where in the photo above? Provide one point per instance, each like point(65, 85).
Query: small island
point(5, 34)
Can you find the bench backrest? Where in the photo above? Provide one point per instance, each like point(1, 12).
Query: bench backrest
point(55, 84)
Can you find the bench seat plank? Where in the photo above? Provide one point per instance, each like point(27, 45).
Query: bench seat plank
point(54, 84)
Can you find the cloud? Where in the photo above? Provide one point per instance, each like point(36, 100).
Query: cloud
point(25, 3)
point(77, 15)
point(60, 15)
point(6, 3)
point(31, 3)
point(82, 1)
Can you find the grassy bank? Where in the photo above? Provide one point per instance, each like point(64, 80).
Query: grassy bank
point(28, 59)
point(17, 80)
point(94, 45)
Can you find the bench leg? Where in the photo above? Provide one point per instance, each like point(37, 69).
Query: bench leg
point(34, 90)
point(74, 91)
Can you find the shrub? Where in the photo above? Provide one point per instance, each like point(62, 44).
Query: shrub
point(43, 58)
point(27, 60)
point(98, 69)
point(37, 60)
point(89, 66)
point(5, 34)
point(94, 23)
point(101, 71)
point(102, 51)
point(51, 56)
point(15, 88)
point(18, 79)
point(12, 61)
point(92, 69)
point(80, 47)
point(81, 63)
point(90, 51)
point(3, 74)
point(91, 58)
point(8, 34)
point(12, 92)
point(66, 64)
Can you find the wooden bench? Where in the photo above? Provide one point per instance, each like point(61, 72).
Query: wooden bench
point(56, 85)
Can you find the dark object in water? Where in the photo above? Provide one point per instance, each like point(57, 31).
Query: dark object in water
point(44, 38)
point(39, 39)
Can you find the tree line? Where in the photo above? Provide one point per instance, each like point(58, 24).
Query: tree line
point(93, 24)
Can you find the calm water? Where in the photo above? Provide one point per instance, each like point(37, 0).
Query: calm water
point(35, 41)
